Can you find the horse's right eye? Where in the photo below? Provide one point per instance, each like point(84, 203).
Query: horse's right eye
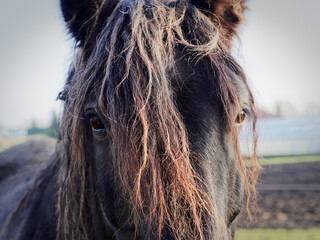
point(241, 117)
point(96, 124)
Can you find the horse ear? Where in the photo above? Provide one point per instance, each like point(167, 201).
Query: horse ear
point(80, 15)
point(229, 13)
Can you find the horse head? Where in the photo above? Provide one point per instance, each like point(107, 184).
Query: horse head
point(153, 107)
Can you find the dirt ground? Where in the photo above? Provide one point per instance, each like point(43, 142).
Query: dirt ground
point(289, 197)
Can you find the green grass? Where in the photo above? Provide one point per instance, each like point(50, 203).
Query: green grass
point(278, 234)
point(289, 159)
point(286, 160)
point(8, 142)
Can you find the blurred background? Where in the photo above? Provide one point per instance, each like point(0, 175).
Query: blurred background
point(280, 52)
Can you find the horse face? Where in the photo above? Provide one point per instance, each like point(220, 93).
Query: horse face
point(121, 92)
point(208, 135)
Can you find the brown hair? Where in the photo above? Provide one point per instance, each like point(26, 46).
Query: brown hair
point(129, 68)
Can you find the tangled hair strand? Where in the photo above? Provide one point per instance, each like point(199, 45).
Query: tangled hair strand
point(129, 69)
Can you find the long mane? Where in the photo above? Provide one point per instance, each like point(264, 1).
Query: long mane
point(129, 68)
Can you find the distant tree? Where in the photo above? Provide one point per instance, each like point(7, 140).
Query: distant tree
point(285, 109)
point(34, 129)
point(51, 131)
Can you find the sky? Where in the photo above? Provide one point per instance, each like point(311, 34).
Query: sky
point(279, 50)
point(281, 53)
point(35, 55)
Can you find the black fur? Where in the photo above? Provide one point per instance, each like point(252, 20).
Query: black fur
point(80, 16)
point(30, 174)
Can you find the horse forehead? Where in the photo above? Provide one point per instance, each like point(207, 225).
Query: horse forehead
point(189, 71)
point(241, 88)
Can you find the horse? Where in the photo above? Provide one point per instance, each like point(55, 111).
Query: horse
point(148, 140)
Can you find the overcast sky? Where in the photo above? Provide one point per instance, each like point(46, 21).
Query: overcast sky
point(280, 51)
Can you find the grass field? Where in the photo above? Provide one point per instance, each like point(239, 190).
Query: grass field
point(289, 159)
point(286, 160)
point(278, 234)
point(7, 142)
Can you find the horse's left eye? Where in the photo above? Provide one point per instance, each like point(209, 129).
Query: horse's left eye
point(241, 117)
point(96, 124)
